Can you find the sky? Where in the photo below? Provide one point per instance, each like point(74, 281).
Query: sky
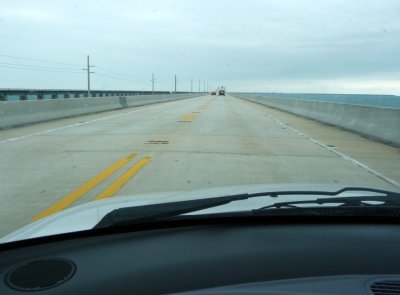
point(248, 46)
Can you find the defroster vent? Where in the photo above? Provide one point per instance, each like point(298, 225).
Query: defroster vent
point(386, 288)
point(40, 274)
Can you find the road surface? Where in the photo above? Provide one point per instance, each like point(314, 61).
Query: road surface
point(189, 144)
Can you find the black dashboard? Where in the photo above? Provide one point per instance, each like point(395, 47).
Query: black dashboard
point(172, 258)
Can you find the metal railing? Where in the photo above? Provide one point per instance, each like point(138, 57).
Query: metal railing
point(38, 94)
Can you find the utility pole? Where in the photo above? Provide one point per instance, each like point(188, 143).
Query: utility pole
point(175, 83)
point(88, 75)
point(204, 86)
point(152, 83)
point(199, 85)
point(191, 85)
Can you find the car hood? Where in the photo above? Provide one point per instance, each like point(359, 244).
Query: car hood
point(86, 216)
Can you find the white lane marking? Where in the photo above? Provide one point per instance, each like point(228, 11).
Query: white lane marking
point(343, 156)
point(86, 122)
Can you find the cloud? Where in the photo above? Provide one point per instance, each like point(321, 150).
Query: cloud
point(287, 42)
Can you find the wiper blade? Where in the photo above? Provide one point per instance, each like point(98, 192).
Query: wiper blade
point(390, 200)
point(385, 199)
point(147, 213)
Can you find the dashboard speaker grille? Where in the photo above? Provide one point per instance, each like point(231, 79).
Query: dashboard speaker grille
point(386, 288)
point(40, 274)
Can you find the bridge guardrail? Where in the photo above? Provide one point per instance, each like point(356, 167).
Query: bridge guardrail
point(16, 113)
point(9, 94)
point(379, 123)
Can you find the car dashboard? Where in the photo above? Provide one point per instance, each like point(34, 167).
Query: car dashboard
point(293, 255)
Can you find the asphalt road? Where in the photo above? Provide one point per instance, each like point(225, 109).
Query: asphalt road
point(183, 145)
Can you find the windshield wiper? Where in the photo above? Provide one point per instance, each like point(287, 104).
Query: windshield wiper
point(147, 213)
point(383, 201)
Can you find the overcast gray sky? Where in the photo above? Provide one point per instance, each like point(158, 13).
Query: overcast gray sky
point(265, 46)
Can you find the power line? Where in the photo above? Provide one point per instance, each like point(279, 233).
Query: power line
point(122, 77)
point(37, 67)
point(119, 74)
point(39, 70)
point(40, 60)
point(32, 67)
point(111, 77)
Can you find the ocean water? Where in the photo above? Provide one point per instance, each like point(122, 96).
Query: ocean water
point(389, 101)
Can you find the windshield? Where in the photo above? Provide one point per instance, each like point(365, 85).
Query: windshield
point(131, 103)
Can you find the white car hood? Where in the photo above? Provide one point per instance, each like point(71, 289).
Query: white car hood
point(86, 216)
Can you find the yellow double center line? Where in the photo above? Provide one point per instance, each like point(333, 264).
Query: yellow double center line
point(124, 178)
point(72, 197)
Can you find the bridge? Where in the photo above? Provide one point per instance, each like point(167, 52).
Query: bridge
point(8, 94)
point(131, 144)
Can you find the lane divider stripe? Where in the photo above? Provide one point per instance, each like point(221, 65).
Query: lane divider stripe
point(164, 104)
point(189, 117)
point(72, 197)
point(342, 155)
point(123, 179)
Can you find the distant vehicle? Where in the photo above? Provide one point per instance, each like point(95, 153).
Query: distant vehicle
point(213, 92)
point(221, 91)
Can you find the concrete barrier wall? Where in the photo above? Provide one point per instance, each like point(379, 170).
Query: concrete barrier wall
point(16, 113)
point(382, 124)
